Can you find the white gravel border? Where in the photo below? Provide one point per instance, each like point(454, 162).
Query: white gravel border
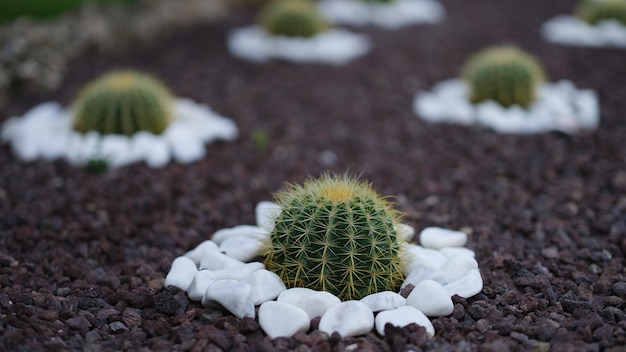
point(46, 132)
point(570, 30)
point(559, 106)
point(389, 16)
point(334, 46)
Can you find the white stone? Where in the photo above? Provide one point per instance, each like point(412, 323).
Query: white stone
point(181, 273)
point(431, 299)
point(458, 266)
point(282, 319)
point(437, 238)
point(570, 30)
point(241, 247)
point(385, 300)
point(559, 107)
point(454, 251)
point(234, 296)
point(314, 303)
point(46, 132)
point(265, 286)
point(334, 46)
point(388, 15)
point(266, 214)
point(420, 273)
point(199, 284)
point(402, 317)
point(217, 261)
point(238, 272)
point(405, 232)
point(201, 250)
point(350, 318)
point(253, 232)
point(418, 255)
point(467, 286)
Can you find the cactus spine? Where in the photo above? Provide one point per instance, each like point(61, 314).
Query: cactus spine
point(594, 11)
point(336, 234)
point(292, 18)
point(123, 102)
point(504, 74)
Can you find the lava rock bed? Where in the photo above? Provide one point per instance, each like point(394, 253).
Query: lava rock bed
point(83, 255)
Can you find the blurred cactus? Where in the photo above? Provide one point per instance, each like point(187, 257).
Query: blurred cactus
point(292, 18)
point(338, 235)
point(504, 74)
point(123, 102)
point(594, 11)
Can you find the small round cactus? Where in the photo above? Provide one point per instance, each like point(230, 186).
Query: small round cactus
point(338, 235)
point(123, 102)
point(504, 74)
point(292, 18)
point(594, 11)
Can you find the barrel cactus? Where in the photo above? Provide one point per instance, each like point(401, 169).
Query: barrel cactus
point(123, 102)
point(594, 11)
point(292, 18)
point(336, 234)
point(505, 74)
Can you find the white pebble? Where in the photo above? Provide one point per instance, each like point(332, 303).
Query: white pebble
point(402, 317)
point(418, 255)
point(315, 303)
point(454, 251)
point(420, 273)
point(437, 238)
point(431, 299)
point(282, 320)
point(216, 260)
point(199, 284)
point(266, 214)
point(385, 300)
point(252, 232)
point(467, 286)
point(241, 247)
point(201, 250)
point(350, 318)
point(458, 266)
point(238, 272)
point(265, 285)
point(181, 273)
point(234, 296)
point(405, 232)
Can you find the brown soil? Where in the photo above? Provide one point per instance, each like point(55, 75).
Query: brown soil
point(83, 256)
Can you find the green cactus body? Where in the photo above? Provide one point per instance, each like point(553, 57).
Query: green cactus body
point(504, 74)
point(336, 234)
point(123, 102)
point(292, 18)
point(594, 11)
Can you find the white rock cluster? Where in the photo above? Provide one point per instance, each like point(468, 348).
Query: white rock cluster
point(558, 107)
point(570, 30)
point(392, 15)
point(46, 132)
point(334, 46)
point(222, 272)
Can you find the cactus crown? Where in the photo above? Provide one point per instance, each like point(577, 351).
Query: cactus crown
point(594, 11)
point(336, 234)
point(504, 74)
point(292, 18)
point(123, 102)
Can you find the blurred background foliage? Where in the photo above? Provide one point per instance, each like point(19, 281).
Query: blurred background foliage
point(42, 9)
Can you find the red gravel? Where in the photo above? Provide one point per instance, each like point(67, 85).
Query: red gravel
point(83, 256)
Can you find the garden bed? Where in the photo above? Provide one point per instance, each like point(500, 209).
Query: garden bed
point(83, 256)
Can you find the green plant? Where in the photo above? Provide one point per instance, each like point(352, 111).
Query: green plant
point(12, 9)
point(594, 11)
point(123, 102)
point(336, 234)
point(261, 139)
point(97, 165)
point(379, 1)
point(504, 74)
point(292, 18)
